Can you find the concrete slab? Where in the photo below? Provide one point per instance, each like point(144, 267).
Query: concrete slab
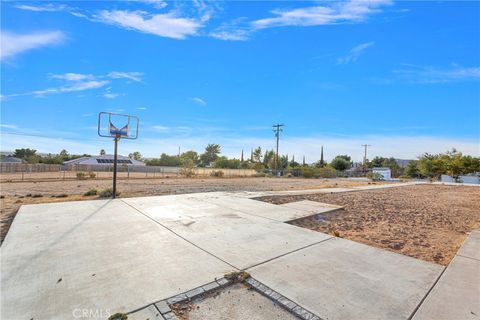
point(99, 256)
point(241, 239)
point(471, 246)
point(258, 208)
point(457, 294)
point(342, 279)
point(311, 207)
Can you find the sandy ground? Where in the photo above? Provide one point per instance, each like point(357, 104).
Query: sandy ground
point(428, 222)
point(233, 302)
point(15, 194)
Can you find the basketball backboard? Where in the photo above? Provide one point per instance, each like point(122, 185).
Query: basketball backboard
point(114, 125)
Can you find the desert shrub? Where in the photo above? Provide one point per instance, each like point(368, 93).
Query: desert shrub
point(325, 172)
point(217, 173)
point(118, 316)
point(374, 176)
point(92, 175)
point(307, 172)
point(38, 195)
point(91, 192)
point(107, 193)
point(187, 168)
point(81, 176)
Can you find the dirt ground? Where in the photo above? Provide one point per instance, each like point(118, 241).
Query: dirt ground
point(233, 302)
point(428, 222)
point(15, 194)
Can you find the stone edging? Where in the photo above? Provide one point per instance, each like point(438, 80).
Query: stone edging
point(166, 313)
point(286, 303)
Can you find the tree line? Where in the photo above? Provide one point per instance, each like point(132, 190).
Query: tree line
point(452, 162)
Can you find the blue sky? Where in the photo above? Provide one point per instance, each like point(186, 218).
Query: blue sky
point(401, 76)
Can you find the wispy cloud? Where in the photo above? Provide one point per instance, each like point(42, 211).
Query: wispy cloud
point(231, 33)
point(50, 7)
point(74, 82)
point(134, 76)
point(165, 24)
point(159, 128)
point(336, 12)
point(157, 4)
point(429, 74)
point(142, 108)
point(8, 126)
point(355, 53)
point(14, 43)
point(110, 95)
point(198, 100)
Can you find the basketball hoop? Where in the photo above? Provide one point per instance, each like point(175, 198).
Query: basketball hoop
point(117, 126)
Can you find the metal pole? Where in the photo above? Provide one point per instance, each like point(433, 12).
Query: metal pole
point(114, 189)
point(277, 136)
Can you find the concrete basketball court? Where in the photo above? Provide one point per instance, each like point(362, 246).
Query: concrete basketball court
point(121, 255)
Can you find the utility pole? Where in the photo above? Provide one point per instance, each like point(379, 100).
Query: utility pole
point(277, 129)
point(365, 156)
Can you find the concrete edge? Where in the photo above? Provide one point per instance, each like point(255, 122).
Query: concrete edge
point(163, 306)
point(283, 301)
point(415, 311)
point(315, 214)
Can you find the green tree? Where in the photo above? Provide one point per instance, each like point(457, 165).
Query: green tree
point(24, 153)
point(257, 155)
point(189, 155)
point(102, 152)
point(411, 170)
point(135, 156)
point(210, 155)
point(341, 163)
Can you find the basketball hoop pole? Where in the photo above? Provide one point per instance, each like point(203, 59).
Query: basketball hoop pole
point(114, 189)
point(117, 132)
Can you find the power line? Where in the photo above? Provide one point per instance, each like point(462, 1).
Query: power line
point(277, 129)
point(365, 156)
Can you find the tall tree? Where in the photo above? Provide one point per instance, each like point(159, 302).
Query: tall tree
point(241, 157)
point(322, 162)
point(211, 153)
point(257, 154)
point(135, 156)
point(304, 160)
point(102, 152)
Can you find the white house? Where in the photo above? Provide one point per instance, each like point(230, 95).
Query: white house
point(106, 160)
point(385, 172)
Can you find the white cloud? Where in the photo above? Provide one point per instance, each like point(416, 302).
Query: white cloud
point(354, 53)
point(160, 128)
point(334, 13)
point(110, 95)
point(8, 126)
point(134, 76)
point(79, 82)
point(165, 25)
point(428, 74)
point(14, 43)
point(72, 76)
point(157, 4)
point(199, 101)
point(39, 8)
point(77, 86)
point(230, 34)
point(142, 108)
